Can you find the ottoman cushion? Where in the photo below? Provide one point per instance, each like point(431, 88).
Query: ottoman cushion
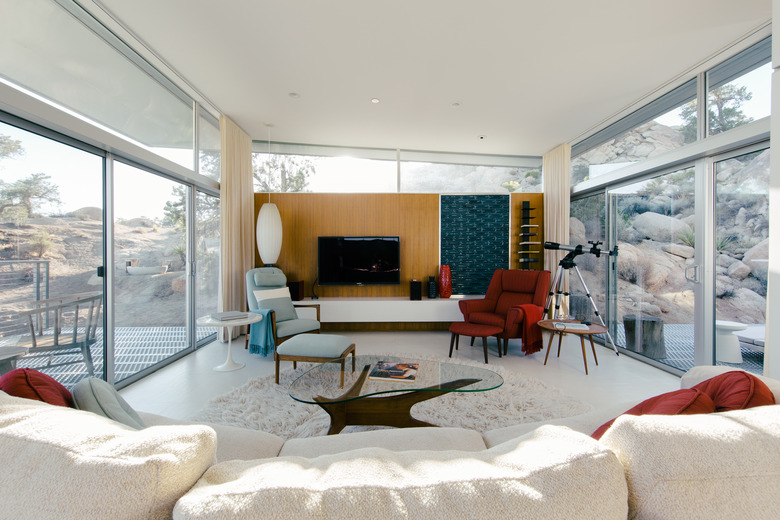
point(315, 345)
point(474, 329)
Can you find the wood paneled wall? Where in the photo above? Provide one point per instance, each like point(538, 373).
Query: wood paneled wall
point(305, 216)
point(537, 202)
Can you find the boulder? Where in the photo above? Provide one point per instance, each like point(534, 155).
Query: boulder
point(649, 309)
point(659, 227)
point(756, 258)
point(725, 286)
point(749, 302)
point(576, 232)
point(724, 260)
point(680, 250)
point(738, 270)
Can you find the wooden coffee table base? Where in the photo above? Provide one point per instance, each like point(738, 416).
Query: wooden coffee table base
point(392, 410)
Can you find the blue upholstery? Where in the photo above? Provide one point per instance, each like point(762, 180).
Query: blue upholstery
point(284, 318)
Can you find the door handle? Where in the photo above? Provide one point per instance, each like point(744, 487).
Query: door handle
point(694, 269)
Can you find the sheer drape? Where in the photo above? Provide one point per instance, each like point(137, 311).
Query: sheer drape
point(236, 196)
point(557, 202)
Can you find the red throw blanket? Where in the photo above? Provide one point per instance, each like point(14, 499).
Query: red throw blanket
point(532, 332)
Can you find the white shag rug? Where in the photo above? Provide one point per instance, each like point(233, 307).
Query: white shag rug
point(261, 404)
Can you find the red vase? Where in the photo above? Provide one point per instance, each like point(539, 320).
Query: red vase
point(445, 282)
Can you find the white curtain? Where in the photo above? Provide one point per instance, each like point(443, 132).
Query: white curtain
point(557, 202)
point(236, 195)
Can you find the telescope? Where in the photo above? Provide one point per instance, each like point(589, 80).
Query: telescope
point(579, 250)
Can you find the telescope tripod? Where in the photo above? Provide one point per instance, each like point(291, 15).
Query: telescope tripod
point(556, 291)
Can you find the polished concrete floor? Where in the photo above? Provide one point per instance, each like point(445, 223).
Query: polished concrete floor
point(181, 389)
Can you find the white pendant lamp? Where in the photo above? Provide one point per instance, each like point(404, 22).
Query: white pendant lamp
point(269, 222)
point(269, 233)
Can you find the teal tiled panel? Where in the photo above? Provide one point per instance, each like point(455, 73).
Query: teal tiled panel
point(474, 239)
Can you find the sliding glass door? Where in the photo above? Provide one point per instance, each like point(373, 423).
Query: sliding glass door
point(150, 275)
point(741, 215)
point(653, 285)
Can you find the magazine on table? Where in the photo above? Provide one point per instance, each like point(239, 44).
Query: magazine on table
point(229, 315)
point(394, 371)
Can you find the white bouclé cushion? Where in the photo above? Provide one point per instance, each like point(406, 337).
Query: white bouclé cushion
point(553, 473)
point(64, 463)
point(97, 396)
point(700, 466)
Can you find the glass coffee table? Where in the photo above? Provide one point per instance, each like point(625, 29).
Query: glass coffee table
point(362, 400)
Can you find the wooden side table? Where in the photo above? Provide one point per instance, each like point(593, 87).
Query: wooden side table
point(559, 327)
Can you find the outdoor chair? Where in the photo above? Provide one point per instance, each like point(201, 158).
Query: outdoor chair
point(61, 328)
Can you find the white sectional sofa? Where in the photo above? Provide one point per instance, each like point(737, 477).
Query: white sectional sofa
point(67, 463)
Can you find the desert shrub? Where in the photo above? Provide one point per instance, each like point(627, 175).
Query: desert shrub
point(635, 272)
point(637, 205)
point(723, 242)
point(41, 243)
point(687, 237)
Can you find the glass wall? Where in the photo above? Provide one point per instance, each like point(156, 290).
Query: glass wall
point(51, 246)
point(661, 126)
point(207, 239)
point(741, 259)
point(323, 169)
point(150, 282)
point(428, 177)
point(662, 217)
point(654, 224)
point(210, 146)
point(587, 224)
point(320, 174)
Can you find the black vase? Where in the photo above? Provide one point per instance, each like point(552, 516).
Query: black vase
point(431, 287)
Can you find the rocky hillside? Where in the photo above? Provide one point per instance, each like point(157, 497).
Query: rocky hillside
point(73, 245)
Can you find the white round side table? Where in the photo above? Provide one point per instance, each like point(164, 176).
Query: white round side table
point(208, 321)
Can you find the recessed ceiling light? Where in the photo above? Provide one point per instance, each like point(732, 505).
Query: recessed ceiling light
point(294, 95)
point(482, 137)
point(375, 100)
point(455, 105)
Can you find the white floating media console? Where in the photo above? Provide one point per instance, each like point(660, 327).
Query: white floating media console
point(352, 310)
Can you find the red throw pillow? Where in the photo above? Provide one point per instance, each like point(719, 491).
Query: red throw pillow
point(687, 401)
point(736, 390)
point(31, 384)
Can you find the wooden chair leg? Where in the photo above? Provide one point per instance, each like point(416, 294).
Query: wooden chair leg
point(276, 359)
point(452, 343)
point(484, 347)
point(506, 345)
point(472, 341)
point(498, 341)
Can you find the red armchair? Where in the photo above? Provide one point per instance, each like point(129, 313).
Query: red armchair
point(514, 301)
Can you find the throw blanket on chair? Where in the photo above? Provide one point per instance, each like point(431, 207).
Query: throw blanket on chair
point(261, 334)
point(532, 333)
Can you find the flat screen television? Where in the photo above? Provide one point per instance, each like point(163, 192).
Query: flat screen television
point(358, 261)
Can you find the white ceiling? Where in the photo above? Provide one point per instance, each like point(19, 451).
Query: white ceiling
point(526, 75)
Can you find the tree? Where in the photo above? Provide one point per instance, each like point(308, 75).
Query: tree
point(724, 111)
point(29, 193)
point(10, 147)
point(282, 173)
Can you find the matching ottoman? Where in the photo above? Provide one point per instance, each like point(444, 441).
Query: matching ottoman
point(474, 330)
point(318, 348)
